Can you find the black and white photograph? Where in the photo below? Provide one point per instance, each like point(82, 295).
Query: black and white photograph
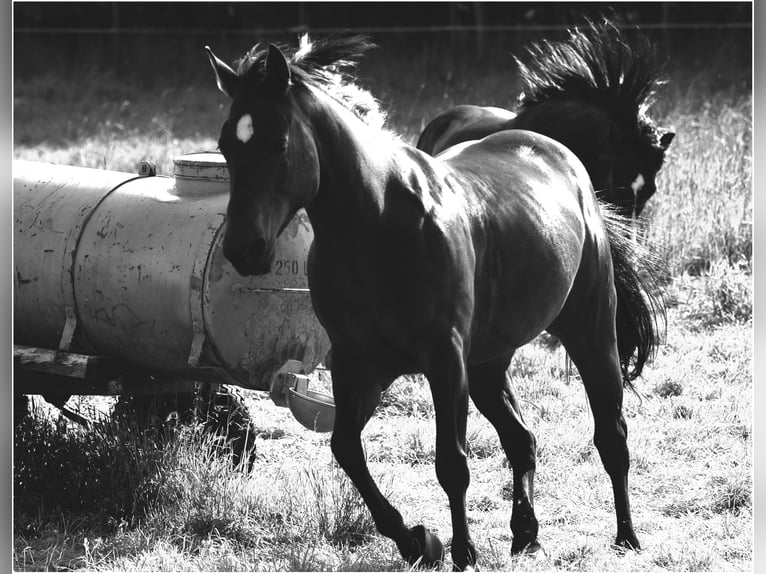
point(382, 286)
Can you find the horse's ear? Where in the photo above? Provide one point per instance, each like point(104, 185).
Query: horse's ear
point(666, 138)
point(225, 77)
point(277, 69)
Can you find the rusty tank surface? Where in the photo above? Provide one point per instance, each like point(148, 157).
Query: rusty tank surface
point(119, 265)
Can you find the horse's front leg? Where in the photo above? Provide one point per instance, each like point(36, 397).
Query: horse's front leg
point(449, 386)
point(357, 390)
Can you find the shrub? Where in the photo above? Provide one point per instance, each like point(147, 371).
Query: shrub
point(104, 472)
point(669, 389)
point(732, 493)
point(683, 412)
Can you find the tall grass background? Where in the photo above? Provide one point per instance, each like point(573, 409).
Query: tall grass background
point(107, 500)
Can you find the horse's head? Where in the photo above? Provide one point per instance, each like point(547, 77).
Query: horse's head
point(272, 160)
point(636, 159)
point(591, 92)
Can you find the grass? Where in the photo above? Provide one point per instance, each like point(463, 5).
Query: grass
point(108, 501)
point(114, 127)
point(691, 481)
point(703, 212)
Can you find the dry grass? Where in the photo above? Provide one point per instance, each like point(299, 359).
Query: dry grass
point(704, 209)
point(691, 480)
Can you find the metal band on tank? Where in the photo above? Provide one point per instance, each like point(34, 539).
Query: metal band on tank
point(196, 297)
point(73, 322)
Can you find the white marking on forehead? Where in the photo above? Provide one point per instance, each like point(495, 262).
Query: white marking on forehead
point(245, 128)
point(638, 183)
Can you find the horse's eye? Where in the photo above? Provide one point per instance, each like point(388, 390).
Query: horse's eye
point(275, 146)
point(280, 145)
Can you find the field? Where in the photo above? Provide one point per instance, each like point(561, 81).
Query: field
point(116, 500)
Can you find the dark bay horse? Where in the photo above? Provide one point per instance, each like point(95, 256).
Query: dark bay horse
point(442, 266)
point(590, 92)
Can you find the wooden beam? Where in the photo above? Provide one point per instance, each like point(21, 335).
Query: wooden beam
point(48, 371)
point(62, 363)
point(35, 383)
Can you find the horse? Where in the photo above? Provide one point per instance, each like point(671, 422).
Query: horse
point(442, 266)
point(590, 92)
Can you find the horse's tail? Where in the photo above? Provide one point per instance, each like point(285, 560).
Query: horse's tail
point(640, 303)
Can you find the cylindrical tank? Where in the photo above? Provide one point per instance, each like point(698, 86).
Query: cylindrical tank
point(114, 264)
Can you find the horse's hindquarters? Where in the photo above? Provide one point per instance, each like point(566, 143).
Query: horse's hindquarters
point(538, 210)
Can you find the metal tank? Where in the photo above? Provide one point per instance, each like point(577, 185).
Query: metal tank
point(125, 266)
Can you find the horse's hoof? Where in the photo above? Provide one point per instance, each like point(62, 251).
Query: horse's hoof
point(465, 562)
point(532, 549)
point(627, 543)
point(425, 548)
point(626, 538)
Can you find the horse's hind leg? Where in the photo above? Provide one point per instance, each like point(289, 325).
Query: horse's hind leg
point(588, 334)
point(357, 390)
point(492, 394)
point(446, 374)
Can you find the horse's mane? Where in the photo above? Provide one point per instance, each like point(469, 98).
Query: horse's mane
point(596, 64)
point(328, 64)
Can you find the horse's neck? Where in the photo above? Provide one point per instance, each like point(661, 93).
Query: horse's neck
point(572, 120)
point(358, 163)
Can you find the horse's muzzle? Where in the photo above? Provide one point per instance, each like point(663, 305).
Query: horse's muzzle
point(254, 259)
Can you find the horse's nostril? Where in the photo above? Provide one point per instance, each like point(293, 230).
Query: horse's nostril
point(249, 259)
point(255, 250)
point(248, 254)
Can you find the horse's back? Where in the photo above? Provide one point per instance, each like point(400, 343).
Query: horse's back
point(462, 123)
point(526, 160)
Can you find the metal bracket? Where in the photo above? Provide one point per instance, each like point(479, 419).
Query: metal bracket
point(69, 328)
point(197, 343)
point(285, 378)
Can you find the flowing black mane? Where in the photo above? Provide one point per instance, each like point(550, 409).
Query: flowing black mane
point(595, 63)
point(328, 64)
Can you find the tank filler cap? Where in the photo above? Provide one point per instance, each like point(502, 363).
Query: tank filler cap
point(201, 173)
